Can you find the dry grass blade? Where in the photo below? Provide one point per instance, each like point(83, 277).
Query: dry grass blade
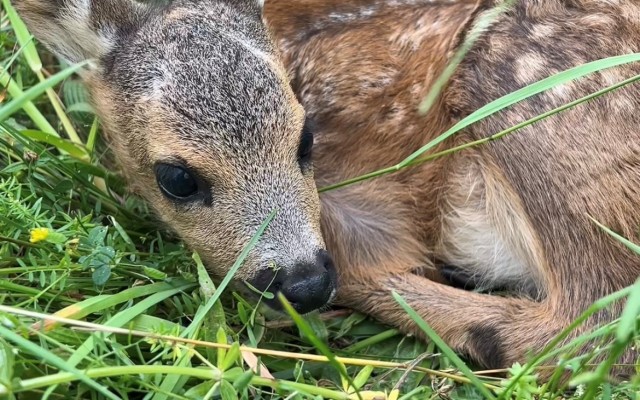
point(91, 327)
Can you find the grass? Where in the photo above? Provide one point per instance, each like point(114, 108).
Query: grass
point(98, 301)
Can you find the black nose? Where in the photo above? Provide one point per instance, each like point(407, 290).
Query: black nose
point(307, 285)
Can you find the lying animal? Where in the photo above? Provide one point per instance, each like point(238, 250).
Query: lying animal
point(204, 109)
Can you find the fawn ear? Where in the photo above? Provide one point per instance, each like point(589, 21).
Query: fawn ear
point(77, 30)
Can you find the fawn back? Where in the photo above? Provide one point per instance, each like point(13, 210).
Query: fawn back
point(513, 215)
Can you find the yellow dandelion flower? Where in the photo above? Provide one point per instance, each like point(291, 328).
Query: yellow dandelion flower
point(39, 234)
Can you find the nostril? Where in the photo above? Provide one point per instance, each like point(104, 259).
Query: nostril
point(309, 293)
point(309, 286)
point(324, 259)
point(267, 280)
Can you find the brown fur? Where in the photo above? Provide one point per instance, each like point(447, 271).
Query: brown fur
point(512, 214)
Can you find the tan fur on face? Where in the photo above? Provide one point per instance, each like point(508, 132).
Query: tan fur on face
point(198, 83)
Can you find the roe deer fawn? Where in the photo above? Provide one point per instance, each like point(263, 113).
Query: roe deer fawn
point(198, 101)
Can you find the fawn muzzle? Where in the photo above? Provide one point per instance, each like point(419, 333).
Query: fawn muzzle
point(308, 286)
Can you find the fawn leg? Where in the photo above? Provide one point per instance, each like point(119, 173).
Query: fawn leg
point(493, 331)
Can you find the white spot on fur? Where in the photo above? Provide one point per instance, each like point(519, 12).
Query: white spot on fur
point(562, 92)
point(623, 104)
point(412, 36)
point(542, 31)
point(361, 13)
point(371, 10)
point(611, 77)
point(530, 67)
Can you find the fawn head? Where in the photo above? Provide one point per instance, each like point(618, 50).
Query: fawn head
point(202, 119)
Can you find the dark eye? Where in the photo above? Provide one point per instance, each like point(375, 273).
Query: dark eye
point(176, 182)
point(306, 145)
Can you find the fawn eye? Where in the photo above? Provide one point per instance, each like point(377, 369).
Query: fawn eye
point(175, 182)
point(306, 145)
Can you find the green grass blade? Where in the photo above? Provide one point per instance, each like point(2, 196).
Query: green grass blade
point(93, 135)
point(124, 317)
point(446, 350)
point(543, 355)
point(214, 324)
point(203, 311)
point(632, 246)
point(152, 324)
point(54, 360)
point(27, 106)
point(202, 374)
point(24, 37)
point(35, 63)
point(629, 317)
point(60, 378)
point(120, 319)
point(170, 382)
point(103, 302)
point(17, 103)
point(479, 27)
point(27, 49)
point(317, 343)
point(16, 288)
point(523, 94)
point(65, 147)
point(7, 363)
point(496, 106)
